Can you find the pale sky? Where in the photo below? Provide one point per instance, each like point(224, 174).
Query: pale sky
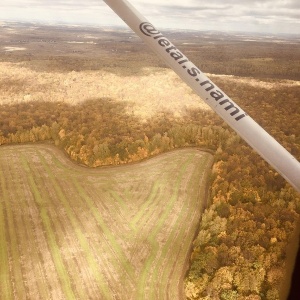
point(266, 16)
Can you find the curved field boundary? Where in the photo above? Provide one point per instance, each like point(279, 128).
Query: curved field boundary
point(69, 232)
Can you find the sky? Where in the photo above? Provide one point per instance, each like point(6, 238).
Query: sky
point(263, 16)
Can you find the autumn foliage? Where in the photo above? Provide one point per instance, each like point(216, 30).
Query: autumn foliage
point(240, 252)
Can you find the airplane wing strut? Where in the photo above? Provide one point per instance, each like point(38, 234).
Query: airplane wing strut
point(275, 154)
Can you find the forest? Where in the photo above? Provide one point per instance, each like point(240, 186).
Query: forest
point(241, 249)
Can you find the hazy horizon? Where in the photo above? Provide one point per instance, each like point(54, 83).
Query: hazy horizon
point(269, 16)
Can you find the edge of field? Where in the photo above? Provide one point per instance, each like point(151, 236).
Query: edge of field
point(203, 189)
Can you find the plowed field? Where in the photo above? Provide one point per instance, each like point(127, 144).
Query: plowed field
point(69, 232)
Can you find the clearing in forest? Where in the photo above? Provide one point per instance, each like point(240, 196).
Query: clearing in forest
point(69, 232)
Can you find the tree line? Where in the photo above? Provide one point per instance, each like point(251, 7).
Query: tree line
point(100, 132)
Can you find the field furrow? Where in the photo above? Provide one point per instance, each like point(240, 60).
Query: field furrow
point(14, 233)
point(115, 246)
point(153, 262)
point(6, 290)
point(31, 261)
point(39, 258)
point(76, 224)
point(94, 236)
point(48, 227)
point(180, 232)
